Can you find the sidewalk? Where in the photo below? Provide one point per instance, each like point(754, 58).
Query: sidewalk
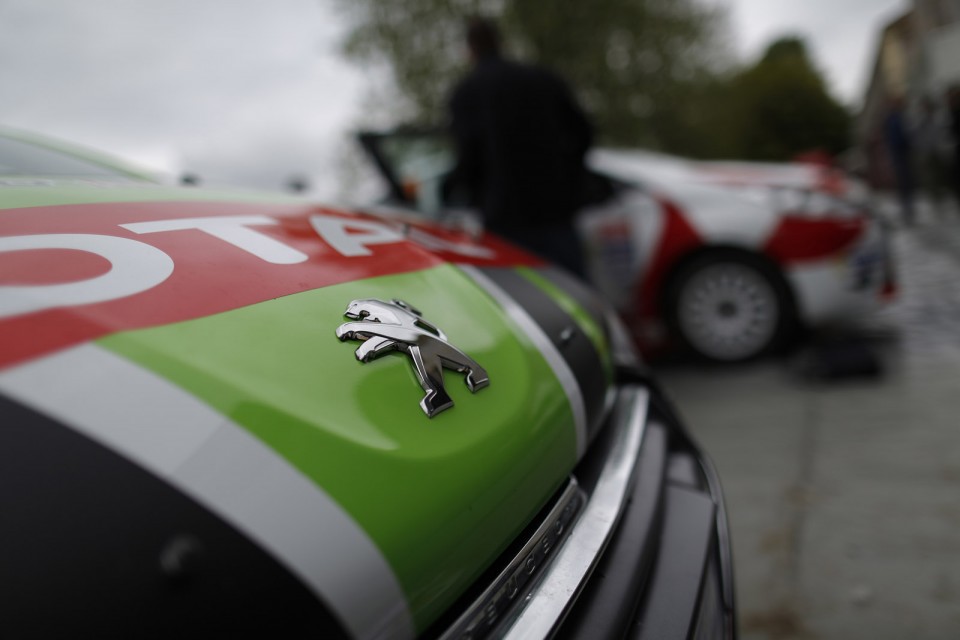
point(844, 498)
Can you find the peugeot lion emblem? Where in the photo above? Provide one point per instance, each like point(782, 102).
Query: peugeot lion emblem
point(395, 325)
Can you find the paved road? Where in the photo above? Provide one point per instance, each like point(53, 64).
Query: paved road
point(844, 497)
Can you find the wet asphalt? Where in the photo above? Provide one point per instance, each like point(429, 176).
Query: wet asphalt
point(841, 461)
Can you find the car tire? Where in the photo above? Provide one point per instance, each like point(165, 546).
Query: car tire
point(729, 307)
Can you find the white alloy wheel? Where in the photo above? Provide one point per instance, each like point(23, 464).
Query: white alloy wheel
point(727, 310)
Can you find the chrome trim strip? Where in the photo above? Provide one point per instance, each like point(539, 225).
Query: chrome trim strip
point(542, 342)
point(575, 560)
point(520, 577)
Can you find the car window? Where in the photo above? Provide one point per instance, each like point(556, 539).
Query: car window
point(420, 163)
point(419, 158)
point(18, 158)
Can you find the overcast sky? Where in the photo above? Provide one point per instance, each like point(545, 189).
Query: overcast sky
point(253, 92)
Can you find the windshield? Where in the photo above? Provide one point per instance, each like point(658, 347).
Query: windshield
point(416, 164)
point(418, 159)
point(18, 158)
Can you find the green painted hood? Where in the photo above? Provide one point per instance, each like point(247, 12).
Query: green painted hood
point(233, 301)
point(440, 497)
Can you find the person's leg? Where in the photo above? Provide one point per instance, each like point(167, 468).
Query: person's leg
point(904, 178)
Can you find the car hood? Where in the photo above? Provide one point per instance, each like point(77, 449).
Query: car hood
point(198, 335)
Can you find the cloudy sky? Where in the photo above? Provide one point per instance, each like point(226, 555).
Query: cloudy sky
point(254, 92)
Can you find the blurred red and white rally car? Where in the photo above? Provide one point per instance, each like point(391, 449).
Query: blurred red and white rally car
point(727, 259)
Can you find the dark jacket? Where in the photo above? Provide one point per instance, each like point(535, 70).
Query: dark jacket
point(521, 139)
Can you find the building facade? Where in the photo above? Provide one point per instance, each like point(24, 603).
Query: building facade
point(917, 58)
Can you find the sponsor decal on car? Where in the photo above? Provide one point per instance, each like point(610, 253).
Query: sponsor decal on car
point(218, 322)
point(74, 273)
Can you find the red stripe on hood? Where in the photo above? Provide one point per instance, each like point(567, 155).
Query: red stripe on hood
point(210, 275)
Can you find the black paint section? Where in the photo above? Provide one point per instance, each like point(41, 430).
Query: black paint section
point(572, 343)
point(662, 569)
point(689, 535)
point(93, 546)
point(609, 599)
point(577, 289)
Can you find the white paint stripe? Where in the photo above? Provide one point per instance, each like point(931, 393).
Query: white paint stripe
point(116, 403)
point(226, 469)
point(546, 347)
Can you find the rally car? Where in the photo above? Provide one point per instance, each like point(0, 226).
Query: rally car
point(727, 259)
point(229, 414)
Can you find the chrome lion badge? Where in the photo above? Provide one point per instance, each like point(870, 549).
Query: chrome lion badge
point(397, 326)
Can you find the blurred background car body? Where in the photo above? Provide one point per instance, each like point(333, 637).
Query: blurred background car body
point(726, 259)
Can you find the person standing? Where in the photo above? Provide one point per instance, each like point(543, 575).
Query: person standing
point(899, 147)
point(521, 139)
point(953, 109)
point(932, 154)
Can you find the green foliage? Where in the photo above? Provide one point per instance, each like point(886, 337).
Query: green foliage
point(651, 73)
point(422, 43)
point(780, 107)
point(633, 63)
point(636, 63)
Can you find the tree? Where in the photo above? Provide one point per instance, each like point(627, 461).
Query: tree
point(780, 107)
point(651, 73)
point(637, 65)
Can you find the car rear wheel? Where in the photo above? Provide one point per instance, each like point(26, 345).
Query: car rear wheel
point(729, 308)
